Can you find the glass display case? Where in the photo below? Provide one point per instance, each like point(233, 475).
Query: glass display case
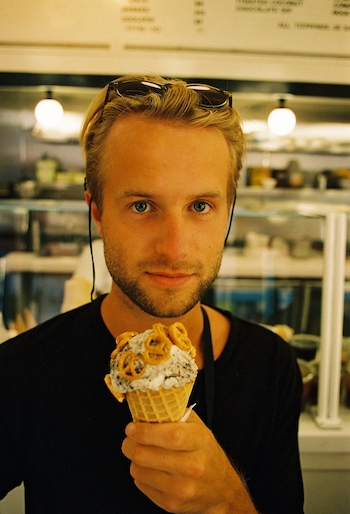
point(40, 243)
point(286, 265)
point(272, 269)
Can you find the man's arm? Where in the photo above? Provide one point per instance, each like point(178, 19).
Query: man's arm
point(182, 468)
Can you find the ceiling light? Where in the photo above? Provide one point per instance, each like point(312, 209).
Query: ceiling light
point(48, 112)
point(282, 120)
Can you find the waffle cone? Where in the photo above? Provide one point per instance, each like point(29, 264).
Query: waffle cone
point(159, 406)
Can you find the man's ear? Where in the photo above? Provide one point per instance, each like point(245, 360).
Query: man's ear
point(94, 212)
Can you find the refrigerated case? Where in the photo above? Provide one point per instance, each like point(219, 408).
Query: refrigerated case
point(271, 271)
point(287, 264)
point(282, 252)
point(44, 239)
point(273, 267)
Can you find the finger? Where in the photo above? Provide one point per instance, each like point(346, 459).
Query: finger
point(172, 436)
point(160, 498)
point(160, 459)
point(164, 489)
point(145, 455)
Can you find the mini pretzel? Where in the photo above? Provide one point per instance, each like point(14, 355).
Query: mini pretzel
point(157, 347)
point(121, 341)
point(119, 396)
point(178, 335)
point(131, 366)
point(159, 328)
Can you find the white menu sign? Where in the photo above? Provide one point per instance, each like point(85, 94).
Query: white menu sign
point(300, 40)
point(277, 27)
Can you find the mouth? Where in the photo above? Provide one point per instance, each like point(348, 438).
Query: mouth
point(166, 279)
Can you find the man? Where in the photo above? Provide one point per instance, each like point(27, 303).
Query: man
point(162, 163)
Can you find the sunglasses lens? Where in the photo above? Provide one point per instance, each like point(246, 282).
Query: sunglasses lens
point(137, 88)
point(210, 96)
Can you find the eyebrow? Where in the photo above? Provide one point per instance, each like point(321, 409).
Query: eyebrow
point(127, 193)
point(133, 192)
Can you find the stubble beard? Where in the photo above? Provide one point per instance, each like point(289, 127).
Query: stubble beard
point(165, 302)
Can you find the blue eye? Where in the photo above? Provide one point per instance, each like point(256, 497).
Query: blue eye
point(200, 206)
point(141, 206)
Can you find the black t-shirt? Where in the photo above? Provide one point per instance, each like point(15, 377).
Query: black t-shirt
point(61, 430)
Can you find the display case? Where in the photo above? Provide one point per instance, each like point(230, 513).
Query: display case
point(40, 244)
point(273, 265)
point(286, 265)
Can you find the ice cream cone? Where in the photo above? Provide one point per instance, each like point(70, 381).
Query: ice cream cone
point(155, 372)
point(161, 405)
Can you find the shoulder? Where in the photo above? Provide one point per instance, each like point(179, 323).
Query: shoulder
point(260, 357)
point(226, 325)
point(54, 357)
point(52, 334)
point(247, 340)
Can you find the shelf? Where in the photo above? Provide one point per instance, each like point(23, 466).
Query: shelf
point(317, 195)
point(269, 263)
point(315, 440)
point(289, 196)
point(26, 262)
point(235, 266)
point(43, 205)
point(286, 147)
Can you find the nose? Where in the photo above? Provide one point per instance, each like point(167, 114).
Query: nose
point(172, 237)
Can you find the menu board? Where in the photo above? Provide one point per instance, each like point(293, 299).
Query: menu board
point(300, 40)
point(276, 27)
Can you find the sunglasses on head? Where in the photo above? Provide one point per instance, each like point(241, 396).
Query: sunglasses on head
point(210, 97)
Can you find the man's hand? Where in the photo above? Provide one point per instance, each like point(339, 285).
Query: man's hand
point(182, 468)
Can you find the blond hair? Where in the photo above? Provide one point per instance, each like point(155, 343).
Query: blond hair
point(179, 105)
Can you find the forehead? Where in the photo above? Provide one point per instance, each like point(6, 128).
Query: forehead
point(139, 143)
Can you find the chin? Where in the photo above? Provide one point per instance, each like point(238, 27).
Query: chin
point(168, 307)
